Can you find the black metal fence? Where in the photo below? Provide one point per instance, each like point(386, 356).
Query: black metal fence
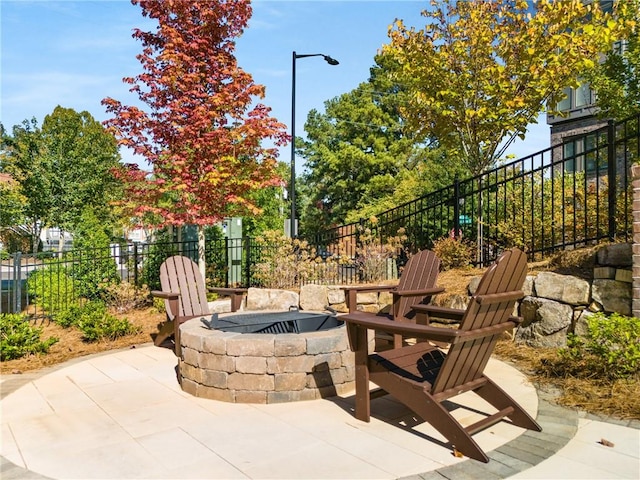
point(575, 194)
point(566, 196)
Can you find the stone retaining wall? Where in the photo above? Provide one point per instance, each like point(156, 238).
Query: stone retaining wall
point(554, 305)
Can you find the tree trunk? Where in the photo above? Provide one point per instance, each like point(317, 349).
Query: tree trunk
point(202, 264)
point(60, 242)
point(35, 239)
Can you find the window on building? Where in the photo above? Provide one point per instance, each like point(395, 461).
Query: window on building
point(581, 154)
point(583, 95)
point(576, 98)
point(564, 105)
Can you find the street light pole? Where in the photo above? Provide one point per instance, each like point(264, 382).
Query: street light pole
point(293, 231)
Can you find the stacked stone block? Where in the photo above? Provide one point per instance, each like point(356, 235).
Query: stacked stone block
point(264, 368)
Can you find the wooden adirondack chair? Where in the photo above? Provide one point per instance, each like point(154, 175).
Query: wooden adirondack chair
point(422, 376)
point(415, 286)
point(184, 294)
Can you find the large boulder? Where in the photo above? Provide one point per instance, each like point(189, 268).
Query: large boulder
point(313, 297)
point(580, 326)
point(545, 322)
point(335, 294)
point(563, 288)
point(271, 299)
point(616, 255)
point(614, 296)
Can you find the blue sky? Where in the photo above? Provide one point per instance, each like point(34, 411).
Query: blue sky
point(75, 53)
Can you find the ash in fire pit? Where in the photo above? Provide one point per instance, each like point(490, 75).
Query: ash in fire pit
point(293, 321)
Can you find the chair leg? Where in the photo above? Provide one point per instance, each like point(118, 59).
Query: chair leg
point(497, 397)
point(166, 330)
point(363, 398)
point(431, 411)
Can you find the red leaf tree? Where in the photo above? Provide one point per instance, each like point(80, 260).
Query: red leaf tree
point(202, 132)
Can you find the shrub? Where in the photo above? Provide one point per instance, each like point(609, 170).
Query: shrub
point(18, 338)
point(373, 256)
point(285, 262)
point(95, 322)
point(124, 296)
point(95, 267)
point(68, 317)
point(610, 349)
point(52, 287)
point(94, 272)
point(454, 253)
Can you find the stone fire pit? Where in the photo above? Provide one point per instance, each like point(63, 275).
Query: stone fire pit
point(264, 367)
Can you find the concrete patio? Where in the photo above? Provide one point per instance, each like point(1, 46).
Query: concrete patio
point(123, 415)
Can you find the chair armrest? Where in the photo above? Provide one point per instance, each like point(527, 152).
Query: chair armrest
point(373, 322)
point(419, 293)
point(236, 295)
point(439, 312)
point(369, 288)
point(165, 295)
point(440, 334)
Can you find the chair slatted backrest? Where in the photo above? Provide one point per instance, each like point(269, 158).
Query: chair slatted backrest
point(421, 271)
point(181, 275)
point(467, 360)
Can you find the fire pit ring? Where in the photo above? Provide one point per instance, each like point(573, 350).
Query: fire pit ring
point(267, 367)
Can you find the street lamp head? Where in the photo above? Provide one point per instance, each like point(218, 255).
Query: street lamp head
point(330, 61)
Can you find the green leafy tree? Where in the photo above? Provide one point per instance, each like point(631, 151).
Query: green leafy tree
point(81, 156)
point(22, 157)
point(61, 168)
point(617, 79)
point(271, 203)
point(96, 270)
point(479, 72)
point(427, 170)
point(358, 154)
point(11, 201)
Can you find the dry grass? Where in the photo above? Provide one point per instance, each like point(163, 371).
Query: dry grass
point(618, 398)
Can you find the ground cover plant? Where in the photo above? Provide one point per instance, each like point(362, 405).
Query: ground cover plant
point(95, 322)
point(18, 338)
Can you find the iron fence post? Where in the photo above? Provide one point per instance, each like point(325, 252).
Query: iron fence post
point(612, 180)
point(17, 283)
point(247, 271)
point(226, 261)
point(456, 207)
point(135, 264)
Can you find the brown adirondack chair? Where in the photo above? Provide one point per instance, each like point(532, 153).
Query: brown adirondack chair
point(422, 376)
point(184, 294)
point(415, 286)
